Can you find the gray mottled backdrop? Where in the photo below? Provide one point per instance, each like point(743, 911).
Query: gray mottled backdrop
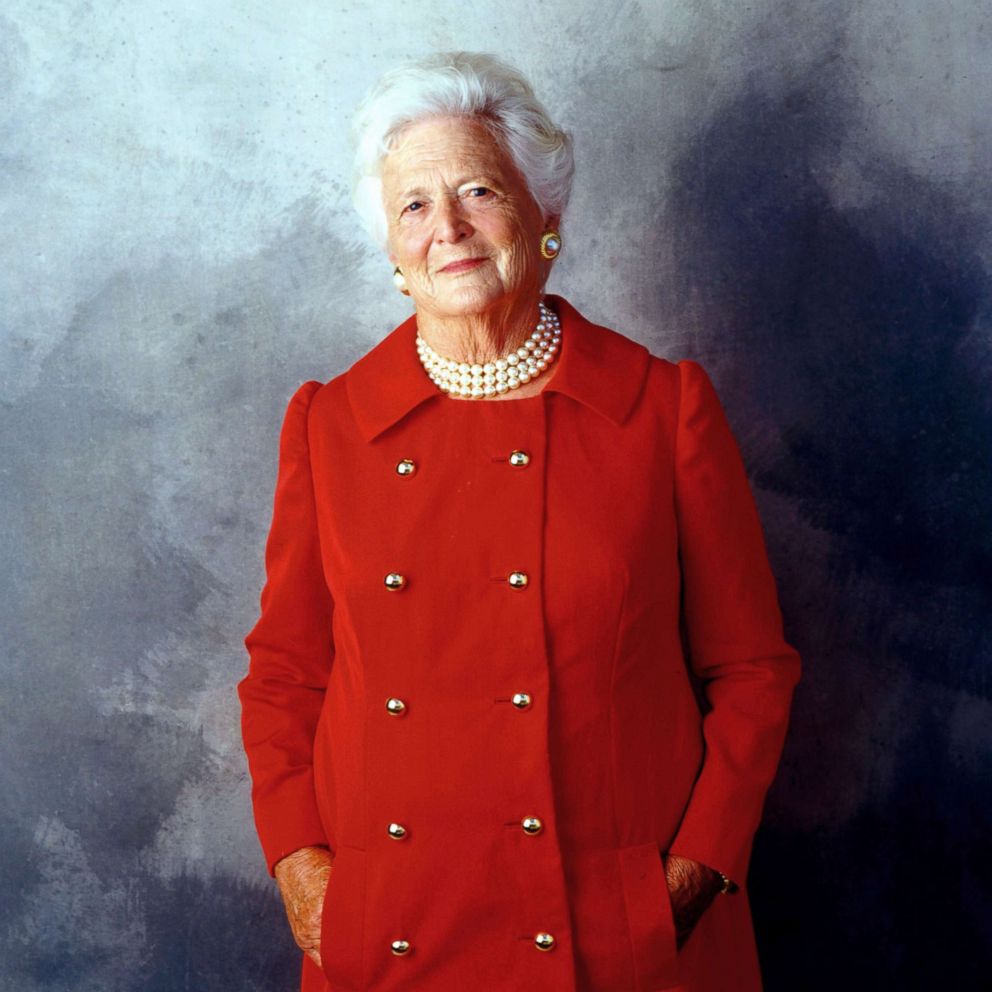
point(796, 194)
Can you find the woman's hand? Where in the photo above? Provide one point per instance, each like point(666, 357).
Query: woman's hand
point(303, 877)
point(692, 887)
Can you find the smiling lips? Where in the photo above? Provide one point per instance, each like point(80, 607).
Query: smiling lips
point(462, 265)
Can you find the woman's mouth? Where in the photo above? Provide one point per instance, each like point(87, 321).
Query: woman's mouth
point(463, 265)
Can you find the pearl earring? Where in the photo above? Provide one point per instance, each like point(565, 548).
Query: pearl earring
point(550, 244)
point(399, 280)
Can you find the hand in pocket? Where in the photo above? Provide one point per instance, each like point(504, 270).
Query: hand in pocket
point(692, 887)
point(303, 877)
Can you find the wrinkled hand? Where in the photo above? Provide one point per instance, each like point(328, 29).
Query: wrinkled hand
point(302, 878)
point(692, 887)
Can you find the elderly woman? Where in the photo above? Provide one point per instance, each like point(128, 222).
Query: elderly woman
point(519, 684)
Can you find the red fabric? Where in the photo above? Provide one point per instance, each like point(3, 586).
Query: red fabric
point(646, 561)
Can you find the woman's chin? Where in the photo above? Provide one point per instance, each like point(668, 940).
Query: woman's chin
point(466, 299)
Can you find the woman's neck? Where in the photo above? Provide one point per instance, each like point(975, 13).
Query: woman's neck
point(481, 337)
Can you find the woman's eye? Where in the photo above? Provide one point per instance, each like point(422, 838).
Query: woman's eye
point(478, 191)
point(413, 207)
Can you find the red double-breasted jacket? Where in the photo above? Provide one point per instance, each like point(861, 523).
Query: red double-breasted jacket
point(511, 652)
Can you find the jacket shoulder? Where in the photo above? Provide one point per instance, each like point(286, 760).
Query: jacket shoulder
point(663, 378)
point(322, 402)
point(331, 397)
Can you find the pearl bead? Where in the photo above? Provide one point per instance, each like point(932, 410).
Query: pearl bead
point(473, 380)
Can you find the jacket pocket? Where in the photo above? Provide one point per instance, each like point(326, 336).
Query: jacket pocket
point(342, 921)
point(649, 917)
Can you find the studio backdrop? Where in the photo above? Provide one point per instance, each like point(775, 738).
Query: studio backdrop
point(796, 194)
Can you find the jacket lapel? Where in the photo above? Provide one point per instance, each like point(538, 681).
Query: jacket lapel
point(596, 366)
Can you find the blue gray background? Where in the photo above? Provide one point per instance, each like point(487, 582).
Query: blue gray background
point(796, 194)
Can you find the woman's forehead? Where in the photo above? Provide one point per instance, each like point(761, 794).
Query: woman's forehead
point(442, 145)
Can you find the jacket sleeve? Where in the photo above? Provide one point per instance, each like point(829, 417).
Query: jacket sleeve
point(290, 652)
point(733, 626)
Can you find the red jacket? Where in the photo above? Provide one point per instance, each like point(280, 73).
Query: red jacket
point(499, 750)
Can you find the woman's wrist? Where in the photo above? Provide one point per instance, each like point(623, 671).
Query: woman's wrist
point(303, 858)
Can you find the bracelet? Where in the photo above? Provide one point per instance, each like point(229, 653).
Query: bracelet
point(726, 883)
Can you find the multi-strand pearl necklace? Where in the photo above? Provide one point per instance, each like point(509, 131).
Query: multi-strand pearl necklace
point(528, 361)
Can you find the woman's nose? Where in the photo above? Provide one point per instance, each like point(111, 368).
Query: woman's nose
point(451, 224)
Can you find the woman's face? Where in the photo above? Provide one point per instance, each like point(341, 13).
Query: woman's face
point(463, 227)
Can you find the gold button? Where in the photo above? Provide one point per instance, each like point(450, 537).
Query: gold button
point(406, 467)
point(544, 941)
point(394, 581)
point(521, 700)
point(400, 946)
point(397, 831)
point(518, 457)
point(518, 580)
point(532, 825)
point(395, 707)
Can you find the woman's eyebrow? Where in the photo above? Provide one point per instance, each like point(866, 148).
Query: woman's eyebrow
point(476, 177)
point(480, 178)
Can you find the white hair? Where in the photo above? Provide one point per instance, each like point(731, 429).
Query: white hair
point(465, 84)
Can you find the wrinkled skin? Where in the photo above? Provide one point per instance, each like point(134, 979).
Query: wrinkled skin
point(692, 887)
point(303, 876)
point(451, 193)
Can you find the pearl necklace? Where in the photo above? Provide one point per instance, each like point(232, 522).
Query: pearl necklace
point(520, 366)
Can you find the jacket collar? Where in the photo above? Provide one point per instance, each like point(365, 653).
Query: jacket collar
point(596, 366)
